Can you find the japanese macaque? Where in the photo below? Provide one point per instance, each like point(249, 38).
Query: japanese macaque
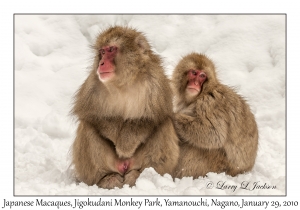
point(124, 109)
point(216, 128)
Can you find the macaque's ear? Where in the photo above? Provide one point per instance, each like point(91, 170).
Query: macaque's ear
point(142, 43)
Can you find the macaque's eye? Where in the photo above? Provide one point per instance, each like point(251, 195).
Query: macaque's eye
point(202, 75)
point(102, 51)
point(194, 72)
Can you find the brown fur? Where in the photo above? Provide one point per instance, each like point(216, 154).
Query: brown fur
point(127, 117)
point(216, 127)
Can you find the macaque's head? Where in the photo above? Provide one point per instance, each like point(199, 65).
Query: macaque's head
point(121, 53)
point(194, 75)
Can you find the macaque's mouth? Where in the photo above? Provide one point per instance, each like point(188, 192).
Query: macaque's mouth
point(193, 89)
point(106, 75)
point(107, 72)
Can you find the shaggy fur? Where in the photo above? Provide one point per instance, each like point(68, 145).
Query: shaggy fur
point(217, 130)
point(126, 119)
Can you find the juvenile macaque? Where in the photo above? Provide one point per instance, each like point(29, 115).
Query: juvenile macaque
point(125, 112)
point(217, 130)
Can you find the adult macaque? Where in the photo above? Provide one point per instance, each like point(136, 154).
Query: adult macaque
point(124, 111)
point(217, 130)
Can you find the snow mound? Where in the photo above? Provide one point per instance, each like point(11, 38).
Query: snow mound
point(52, 57)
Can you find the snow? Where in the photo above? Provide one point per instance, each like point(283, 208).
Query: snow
point(52, 58)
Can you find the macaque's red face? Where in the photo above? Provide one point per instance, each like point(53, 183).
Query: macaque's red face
point(196, 78)
point(106, 68)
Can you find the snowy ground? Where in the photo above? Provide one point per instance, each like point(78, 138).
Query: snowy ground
point(51, 59)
